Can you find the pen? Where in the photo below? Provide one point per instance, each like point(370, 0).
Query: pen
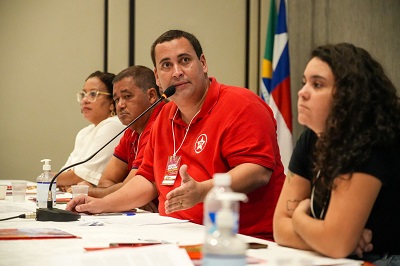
point(115, 214)
point(157, 241)
point(132, 244)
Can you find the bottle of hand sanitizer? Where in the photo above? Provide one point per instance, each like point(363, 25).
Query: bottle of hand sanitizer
point(42, 185)
point(223, 246)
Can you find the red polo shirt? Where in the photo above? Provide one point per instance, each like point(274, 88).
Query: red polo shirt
point(128, 147)
point(234, 126)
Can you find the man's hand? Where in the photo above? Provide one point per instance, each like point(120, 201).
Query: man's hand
point(65, 189)
point(187, 195)
point(84, 182)
point(83, 203)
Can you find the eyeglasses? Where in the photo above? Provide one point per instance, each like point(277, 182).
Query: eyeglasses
point(90, 95)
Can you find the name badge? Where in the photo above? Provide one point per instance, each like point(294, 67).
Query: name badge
point(171, 171)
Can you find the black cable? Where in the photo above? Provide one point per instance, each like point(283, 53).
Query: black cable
point(24, 216)
point(9, 218)
point(167, 93)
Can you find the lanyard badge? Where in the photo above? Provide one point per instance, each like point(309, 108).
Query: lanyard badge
point(174, 161)
point(171, 171)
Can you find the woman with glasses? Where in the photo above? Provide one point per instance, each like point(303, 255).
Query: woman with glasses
point(97, 106)
point(341, 195)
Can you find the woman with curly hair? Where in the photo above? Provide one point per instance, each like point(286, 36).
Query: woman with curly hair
point(340, 197)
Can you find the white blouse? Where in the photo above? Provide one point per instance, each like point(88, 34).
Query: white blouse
point(89, 140)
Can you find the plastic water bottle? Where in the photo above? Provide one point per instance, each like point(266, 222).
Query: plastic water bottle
point(223, 246)
point(42, 185)
point(222, 183)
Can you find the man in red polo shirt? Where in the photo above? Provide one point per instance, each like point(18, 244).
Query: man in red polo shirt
point(208, 128)
point(135, 89)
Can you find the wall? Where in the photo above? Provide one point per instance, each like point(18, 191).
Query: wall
point(49, 47)
point(372, 24)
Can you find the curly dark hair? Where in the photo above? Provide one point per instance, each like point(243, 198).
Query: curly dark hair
point(365, 112)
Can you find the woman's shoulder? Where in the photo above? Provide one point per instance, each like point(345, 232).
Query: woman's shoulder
point(112, 119)
point(85, 130)
point(302, 156)
point(111, 125)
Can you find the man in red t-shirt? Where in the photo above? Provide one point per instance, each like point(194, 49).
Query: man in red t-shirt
point(211, 128)
point(135, 89)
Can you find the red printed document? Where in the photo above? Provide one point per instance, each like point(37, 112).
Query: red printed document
point(33, 233)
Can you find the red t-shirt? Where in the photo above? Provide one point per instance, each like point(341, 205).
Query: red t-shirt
point(234, 126)
point(128, 149)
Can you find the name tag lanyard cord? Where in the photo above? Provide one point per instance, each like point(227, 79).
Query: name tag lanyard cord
point(137, 144)
point(173, 162)
point(187, 130)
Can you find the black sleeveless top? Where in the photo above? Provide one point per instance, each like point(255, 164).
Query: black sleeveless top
point(384, 164)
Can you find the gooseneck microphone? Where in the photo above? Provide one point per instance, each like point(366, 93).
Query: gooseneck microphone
point(54, 214)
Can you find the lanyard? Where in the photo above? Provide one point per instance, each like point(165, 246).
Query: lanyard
point(187, 130)
point(137, 145)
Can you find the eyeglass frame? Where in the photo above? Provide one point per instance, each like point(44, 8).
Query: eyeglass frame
point(80, 95)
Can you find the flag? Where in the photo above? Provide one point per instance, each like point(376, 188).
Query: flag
point(275, 79)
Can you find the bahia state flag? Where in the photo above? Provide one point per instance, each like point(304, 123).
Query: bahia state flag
point(275, 80)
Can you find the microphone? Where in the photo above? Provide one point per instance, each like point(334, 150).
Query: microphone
point(54, 214)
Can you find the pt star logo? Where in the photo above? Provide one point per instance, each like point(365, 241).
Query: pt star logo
point(200, 143)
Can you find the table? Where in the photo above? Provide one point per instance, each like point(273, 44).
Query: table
point(143, 225)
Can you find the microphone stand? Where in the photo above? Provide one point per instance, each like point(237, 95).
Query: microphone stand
point(54, 214)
